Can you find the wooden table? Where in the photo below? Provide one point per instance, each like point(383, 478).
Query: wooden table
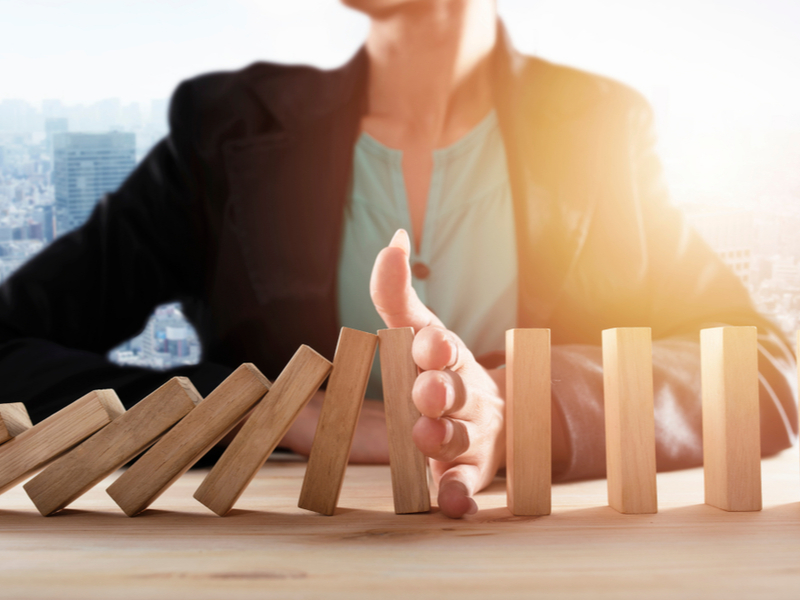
point(268, 548)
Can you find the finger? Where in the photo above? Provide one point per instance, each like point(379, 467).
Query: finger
point(456, 488)
point(436, 348)
point(390, 288)
point(439, 393)
point(440, 439)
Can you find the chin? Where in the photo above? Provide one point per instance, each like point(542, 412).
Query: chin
point(378, 6)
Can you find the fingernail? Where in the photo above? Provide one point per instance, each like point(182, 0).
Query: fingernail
point(400, 240)
point(449, 394)
point(449, 431)
point(453, 352)
point(473, 507)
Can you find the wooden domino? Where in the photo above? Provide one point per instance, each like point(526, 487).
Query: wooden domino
point(123, 439)
point(528, 424)
point(731, 426)
point(31, 450)
point(189, 440)
point(630, 420)
point(407, 463)
point(14, 420)
point(262, 431)
point(333, 439)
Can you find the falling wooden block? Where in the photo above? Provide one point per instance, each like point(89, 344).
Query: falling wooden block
point(528, 423)
point(731, 418)
point(630, 420)
point(337, 422)
point(31, 450)
point(14, 420)
point(193, 436)
point(259, 436)
point(407, 463)
point(85, 466)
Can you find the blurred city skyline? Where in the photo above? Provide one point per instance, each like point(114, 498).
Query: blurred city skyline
point(720, 76)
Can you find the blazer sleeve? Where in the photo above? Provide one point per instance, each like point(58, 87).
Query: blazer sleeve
point(684, 287)
point(95, 287)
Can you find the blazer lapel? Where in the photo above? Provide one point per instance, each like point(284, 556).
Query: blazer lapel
point(287, 193)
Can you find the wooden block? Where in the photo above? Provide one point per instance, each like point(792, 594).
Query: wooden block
point(93, 460)
point(630, 420)
point(14, 420)
point(189, 440)
point(259, 436)
point(31, 450)
point(407, 463)
point(333, 439)
point(528, 422)
point(731, 418)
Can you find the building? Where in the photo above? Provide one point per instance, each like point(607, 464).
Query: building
point(177, 341)
point(167, 341)
point(87, 166)
point(48, 223)
point(730, 233)
point(51, 128)
point(785, 273)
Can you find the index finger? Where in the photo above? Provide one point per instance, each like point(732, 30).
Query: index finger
point(436, 348)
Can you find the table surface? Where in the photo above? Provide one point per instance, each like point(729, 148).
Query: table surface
point(267, 547)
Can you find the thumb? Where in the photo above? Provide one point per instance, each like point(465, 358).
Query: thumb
point(456, 488)
point(390, 288)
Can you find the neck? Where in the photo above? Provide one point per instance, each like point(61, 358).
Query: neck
point(428, 71)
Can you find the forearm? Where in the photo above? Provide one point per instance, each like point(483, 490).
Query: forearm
point(578, 397)
point(370, 445)
point(559, 440)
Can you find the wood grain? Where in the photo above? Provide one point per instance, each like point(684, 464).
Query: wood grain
point(33, 449)
point(271, 549)
point(408, 464)
point(262, 431)
point(630, 420)
point(731, 426)
point(336, 427)
point(528, 422)
point(14, 420)
point(123, 439)
point(189, 440)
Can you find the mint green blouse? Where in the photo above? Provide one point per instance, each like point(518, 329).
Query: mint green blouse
point(466, 267)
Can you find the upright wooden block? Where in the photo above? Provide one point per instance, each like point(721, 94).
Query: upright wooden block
point(408, 465)
point(259, 436)
point(528, 421)
point(82, 468)
point(731, 418)
point(337, 422)
point(189, 440)
point(31, 450)
point(630, 420)
point(14, 420)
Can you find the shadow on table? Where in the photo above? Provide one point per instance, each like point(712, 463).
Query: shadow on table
point(254, 528)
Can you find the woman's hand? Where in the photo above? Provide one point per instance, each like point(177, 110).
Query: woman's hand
point(462, 427)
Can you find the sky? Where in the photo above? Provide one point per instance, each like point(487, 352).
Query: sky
point(721, 74)
point(733, 58)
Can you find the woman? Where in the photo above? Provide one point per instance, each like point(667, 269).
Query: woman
point(533, 198)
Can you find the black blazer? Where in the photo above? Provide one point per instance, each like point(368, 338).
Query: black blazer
point(238, 213)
